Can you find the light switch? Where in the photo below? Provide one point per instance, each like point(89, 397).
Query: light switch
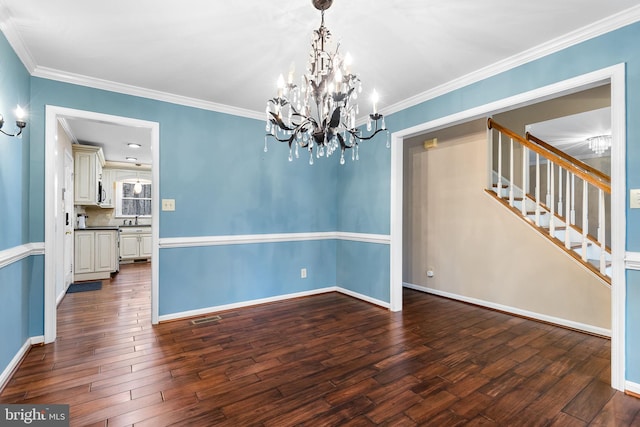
point(634, 198)
point(168, 204)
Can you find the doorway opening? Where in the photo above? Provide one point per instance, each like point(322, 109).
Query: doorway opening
point(56, 217)
point(615, 76)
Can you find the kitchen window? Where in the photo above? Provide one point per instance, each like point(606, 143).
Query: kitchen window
point(130, 204)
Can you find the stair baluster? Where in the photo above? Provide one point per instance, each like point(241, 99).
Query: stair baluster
point(499, 187)
point(602, 232)
point(525, 181)
point(538, 189)
point(585, 219)
point(559, 190)
point(511, 174)
point(560, 197)
point(552, 213)
point(570, 210)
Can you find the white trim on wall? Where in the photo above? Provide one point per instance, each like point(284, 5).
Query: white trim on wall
point(245, 239)
point(5, 376)
point(632, 261)
point(513, 310)
point(15, 254)
point(93, 82)
point(632, 387)
point(608, 24)
point(616, 76)
point(242, 304)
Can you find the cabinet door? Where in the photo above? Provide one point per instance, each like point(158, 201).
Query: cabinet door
point(129, 246)
point(108, 188)
point(105, 251)
point(84, 187)
point(145, 246)
point(84, 252)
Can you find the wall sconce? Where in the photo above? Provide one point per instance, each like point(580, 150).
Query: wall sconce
point(20, 123)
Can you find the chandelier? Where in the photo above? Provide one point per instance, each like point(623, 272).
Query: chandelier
point(599, 144)
point(320, 114)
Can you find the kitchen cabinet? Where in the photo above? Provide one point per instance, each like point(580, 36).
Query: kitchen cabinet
point(87, 181)
point(108, 188)
point(96, 254)
point(135, 243)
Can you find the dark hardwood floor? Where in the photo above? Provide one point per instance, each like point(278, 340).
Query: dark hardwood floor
point(321, 361)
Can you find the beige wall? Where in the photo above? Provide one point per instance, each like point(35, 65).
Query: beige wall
point(476, 247)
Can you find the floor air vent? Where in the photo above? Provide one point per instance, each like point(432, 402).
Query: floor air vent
point(202, 320)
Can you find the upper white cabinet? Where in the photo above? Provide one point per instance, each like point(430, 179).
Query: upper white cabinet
point(108, 189)
point(87, 165)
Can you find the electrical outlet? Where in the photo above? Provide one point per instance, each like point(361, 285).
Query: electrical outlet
point(168, 204)
point(634, 198)
point(303, 273)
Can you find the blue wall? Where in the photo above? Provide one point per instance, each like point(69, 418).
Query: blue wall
point(214, 166)
point(223, 183)
point(21, 310)
point(237, 273)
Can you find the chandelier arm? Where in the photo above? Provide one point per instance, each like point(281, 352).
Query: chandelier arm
point(278, 139)
point(12, 134)
point(366, 138)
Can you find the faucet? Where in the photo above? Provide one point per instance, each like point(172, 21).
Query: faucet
point(136, 219)
point(124, 221)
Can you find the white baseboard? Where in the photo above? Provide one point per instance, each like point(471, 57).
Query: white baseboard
point(209, 310)
point(632, 387)
point(214, 309)
point(519, 312)
point(363, 297)
point(6, 374)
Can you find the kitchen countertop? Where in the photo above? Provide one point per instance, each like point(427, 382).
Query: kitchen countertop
point(98, 227)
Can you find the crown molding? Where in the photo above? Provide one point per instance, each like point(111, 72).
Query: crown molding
point(603, 26)
point(598, 28)
point(14, 39)
point(92, 82)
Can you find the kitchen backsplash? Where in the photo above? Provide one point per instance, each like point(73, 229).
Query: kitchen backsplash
point(100, 217)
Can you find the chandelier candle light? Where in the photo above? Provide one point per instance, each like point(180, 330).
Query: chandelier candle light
point(321, 113)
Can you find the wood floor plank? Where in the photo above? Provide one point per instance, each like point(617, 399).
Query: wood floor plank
point(316, 361)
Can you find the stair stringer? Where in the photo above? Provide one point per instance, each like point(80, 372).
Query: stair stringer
point(558, 237)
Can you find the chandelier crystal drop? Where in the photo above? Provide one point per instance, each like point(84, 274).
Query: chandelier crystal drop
point(320, 114)
point(599, 144)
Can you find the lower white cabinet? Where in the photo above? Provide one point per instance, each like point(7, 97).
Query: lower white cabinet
point(135, 243)
point(96, 254)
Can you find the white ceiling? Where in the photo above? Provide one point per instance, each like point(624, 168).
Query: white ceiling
point(570, 133)
point(229, 54)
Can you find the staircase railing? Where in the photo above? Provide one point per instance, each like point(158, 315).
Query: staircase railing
point(561, 172)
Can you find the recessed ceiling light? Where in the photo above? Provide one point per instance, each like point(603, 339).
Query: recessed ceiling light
point(132, 159)
point(134, 145)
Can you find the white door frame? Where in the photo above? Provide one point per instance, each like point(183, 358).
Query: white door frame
point(52, 114)
point(615, 75)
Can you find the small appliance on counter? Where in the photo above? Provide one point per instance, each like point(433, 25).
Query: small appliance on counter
point(82, 221)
